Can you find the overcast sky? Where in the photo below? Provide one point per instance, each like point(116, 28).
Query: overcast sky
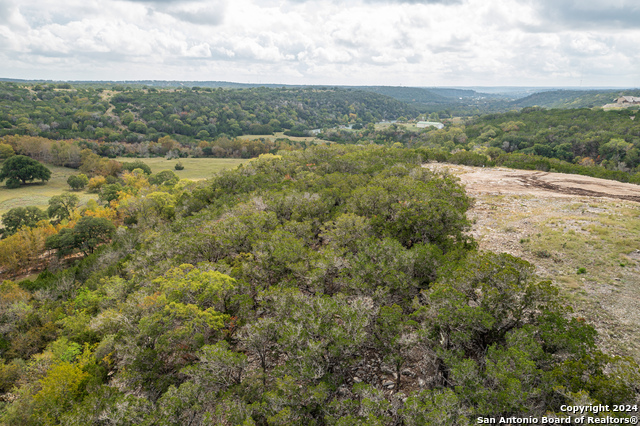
point(361, 42)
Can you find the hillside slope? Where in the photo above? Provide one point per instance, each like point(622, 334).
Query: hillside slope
point(560, 223)
point(572, 98)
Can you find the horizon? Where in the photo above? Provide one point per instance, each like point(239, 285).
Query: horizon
point(143, 81)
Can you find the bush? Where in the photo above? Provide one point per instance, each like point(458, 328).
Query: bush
point(178, 166)
point(78, 182)
point(137, 165)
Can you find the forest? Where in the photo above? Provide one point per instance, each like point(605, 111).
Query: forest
point(585, 141)
point(54, 122)
point(329, 286)
point(327, 281)
point(63, 111)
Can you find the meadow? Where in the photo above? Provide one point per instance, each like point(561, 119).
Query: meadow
point(281, 135)
point(194, 168)
point(38, 194)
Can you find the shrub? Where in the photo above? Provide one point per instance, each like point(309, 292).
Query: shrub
point(78, 182)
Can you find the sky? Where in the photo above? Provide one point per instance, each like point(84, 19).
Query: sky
point(580, 43)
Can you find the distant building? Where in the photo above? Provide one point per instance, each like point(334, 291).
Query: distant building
point(627, 100)
point(425, 124)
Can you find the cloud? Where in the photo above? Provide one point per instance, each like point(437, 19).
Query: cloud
point(416, 1)
point(194, 12)
point(6, 9)
point(588, 14)
point(200, 15)
point(393, 42)
point(426, 2)
point(159, 1)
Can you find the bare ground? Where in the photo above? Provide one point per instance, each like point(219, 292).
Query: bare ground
point(559, 223)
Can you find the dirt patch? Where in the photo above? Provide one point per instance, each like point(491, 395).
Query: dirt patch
point(561, 223)
point(545, 184)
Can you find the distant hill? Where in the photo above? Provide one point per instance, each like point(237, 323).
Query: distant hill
point(128, 113)
point(407, 94)
point(572, 98)
point(456, 93)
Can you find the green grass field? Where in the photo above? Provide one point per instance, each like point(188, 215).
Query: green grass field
point(281, 135)
point(37, 194)
point(194, 168)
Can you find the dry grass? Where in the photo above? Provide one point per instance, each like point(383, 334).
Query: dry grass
point(560, 235)
point(561, 231)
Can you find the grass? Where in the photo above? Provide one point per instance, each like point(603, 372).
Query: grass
point(281, 135)
point(38, 194)
point(194, 168)
point(582, 248)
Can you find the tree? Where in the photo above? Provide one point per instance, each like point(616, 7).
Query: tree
point(78, 182)
point(20, 169)
point(165, 177)
point(23, 249)
point(110, 192)
point(18, 217)
point(137, 165)
point(93, 231)
point(61, 206)
point(6, 150)
point(60, 388)
point(86, 235)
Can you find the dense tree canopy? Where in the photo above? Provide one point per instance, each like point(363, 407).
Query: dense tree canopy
point(335, 285)
point(138, 115)
point(18, 217)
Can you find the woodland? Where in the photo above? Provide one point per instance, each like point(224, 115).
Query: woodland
point(329, 281)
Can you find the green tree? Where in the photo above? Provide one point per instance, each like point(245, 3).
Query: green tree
point(109, 192)
point(165, 177)
point(61, 206)
point(615, 149)
point(92, 231)
point(18, 217)
point(21, 169)
point(434, 407)
point(137, 165)
point(88, 233)
point(78, 182)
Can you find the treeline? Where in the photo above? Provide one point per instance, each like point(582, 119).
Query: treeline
point(572, 98)
point(133, 115)
point(526, 162)
point(329, 286)
point(71, 153)
point(608, 138)
point(593, 142)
